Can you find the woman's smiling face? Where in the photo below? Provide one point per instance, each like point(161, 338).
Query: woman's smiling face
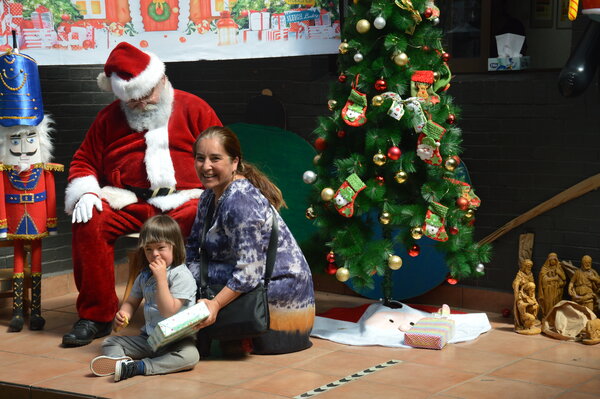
point(215, 168)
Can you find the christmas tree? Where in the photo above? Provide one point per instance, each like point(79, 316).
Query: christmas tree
point(60, 9)
point(389, 152)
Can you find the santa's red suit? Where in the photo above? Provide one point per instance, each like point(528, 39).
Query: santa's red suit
point(112, 161)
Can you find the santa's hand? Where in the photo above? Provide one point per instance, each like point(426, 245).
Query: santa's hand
point(83, 208)
point(3, 235)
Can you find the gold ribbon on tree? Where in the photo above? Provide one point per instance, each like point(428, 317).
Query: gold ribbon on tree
point(408, 6)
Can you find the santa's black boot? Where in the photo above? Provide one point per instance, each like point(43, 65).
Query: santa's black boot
point(36, 321)
point(16, 323)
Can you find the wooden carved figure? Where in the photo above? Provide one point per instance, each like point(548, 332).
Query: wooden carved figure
point(524, 276)
point(526, 321)
point(584, 285)
point(551, 283)
point(28, 205)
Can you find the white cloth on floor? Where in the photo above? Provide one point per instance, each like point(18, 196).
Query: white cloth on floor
point(467, 328)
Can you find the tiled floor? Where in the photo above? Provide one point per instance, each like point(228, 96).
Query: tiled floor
point(499, 364)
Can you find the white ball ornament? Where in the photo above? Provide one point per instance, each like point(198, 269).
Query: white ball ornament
point(436, 21)
point(358, 57)
point(309, 177)
point(480, 268)
point(379, 22)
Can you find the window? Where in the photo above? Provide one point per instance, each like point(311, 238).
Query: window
point(91, 9)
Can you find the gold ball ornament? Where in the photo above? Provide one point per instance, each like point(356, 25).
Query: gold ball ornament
point(379, 159)
point(377, 101)
point(416, 233)
point(331, 104)
point(327, 194)
point(385, 218)
point(401, 177)
point(343, 47)
point(400, 59)
point(470, 213)
point(342, 274)
point(316, 159)
point(363, 26)
point(310, 213)
point(450, 164)
point(394, 262)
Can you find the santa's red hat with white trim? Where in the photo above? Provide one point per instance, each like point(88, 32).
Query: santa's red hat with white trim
point(130, 73)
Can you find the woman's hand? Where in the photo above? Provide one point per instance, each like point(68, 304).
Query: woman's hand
point(213, 309)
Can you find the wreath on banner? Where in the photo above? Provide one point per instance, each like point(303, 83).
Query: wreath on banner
point(159, 10)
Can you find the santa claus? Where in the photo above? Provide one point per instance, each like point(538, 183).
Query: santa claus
point(134, 162)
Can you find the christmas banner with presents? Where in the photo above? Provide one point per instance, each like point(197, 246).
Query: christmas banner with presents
point(60, 32)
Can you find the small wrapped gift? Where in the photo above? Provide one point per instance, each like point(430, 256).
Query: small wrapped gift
point(178, 326)
point(430, 333)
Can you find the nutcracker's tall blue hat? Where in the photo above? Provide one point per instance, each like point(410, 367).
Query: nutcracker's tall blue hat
point(20, 91)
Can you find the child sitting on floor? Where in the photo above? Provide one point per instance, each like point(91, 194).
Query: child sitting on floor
point(167, 287)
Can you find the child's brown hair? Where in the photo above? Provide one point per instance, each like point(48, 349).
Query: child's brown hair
point(161, 228)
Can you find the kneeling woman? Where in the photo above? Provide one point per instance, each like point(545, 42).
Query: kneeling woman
point(236, 244)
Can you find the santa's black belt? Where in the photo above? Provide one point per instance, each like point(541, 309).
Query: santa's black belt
point(147, 193)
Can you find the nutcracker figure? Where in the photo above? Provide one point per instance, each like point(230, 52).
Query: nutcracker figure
point(28, 206)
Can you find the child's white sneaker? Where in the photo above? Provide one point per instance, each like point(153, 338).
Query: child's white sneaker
point(105, 365)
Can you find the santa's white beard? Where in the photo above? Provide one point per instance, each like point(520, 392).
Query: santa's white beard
point(153, 115)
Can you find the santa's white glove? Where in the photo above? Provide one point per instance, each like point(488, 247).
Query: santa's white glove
point(83, 208)
point(3, 235)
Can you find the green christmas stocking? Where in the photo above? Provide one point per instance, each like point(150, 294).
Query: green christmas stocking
point(346, 194)
point(435, 219)
point(354, 111)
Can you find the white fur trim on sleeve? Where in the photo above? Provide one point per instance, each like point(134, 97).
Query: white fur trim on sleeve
point(168, 202)
point(76, 188)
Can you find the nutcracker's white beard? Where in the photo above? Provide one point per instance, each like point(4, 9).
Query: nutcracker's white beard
point(153, 115)
point(23, 166)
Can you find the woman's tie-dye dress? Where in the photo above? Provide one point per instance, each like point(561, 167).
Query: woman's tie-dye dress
point(236, 245)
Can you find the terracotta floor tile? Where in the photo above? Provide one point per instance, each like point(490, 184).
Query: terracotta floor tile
point(573, 353)
point(341, 364)
point(291, 359)
point(34, 370)
point(509, 343)
point(383, 351)
point(287, 382)
point(361, 389)
point(488, 387)
point(591, 386)
point(546, 373)
point(228, 372)
point(464, 359)
point(578, 395)
point(83, 382)
point(29, 342)
point(420, 377)
point(229, 393)
point(160, 387)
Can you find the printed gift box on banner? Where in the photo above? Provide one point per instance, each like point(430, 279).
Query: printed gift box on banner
point(324, 18)
point(259, 20)
point(16, 11)
point(38, 38)
point(430, 333)
point(321, 32)
point(42, 18)
point(252, 35)
point(278, 21)
point(277, 34)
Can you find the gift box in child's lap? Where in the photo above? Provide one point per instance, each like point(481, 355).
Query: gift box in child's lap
point(178, 326)
point(430, 333)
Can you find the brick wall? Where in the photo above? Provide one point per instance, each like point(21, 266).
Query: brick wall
point(523, 144)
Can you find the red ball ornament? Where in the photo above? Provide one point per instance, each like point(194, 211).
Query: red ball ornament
point(394, 153)
point(471, 222)
point(330, 257)
point(414, 250)
point(342, 78)
point(341, 134)
point(452, 280)
point(462, 203)
point(320, 144)
point(453, 230)
point(451, 119)
point(445, 57)
point(425, 48)
point(331, 268)
point(380, 85)
point(428, 13)
point(505, 312)
point(380, 180)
